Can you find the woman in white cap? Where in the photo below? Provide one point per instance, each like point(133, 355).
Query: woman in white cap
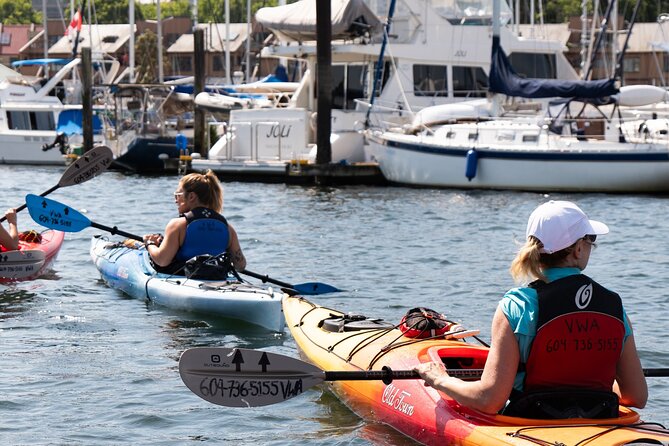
point(562, 346)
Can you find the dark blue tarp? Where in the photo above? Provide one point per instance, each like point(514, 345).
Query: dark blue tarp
point(504, 79)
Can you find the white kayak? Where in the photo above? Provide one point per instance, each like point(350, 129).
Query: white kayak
point(129, 270)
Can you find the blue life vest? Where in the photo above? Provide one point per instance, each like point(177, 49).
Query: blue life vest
point(207, 233)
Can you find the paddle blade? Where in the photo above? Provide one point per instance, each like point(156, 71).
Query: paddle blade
point(55, 215)
point(314, 288)
point(88, 166)
point(17, 265)
point(236, 377)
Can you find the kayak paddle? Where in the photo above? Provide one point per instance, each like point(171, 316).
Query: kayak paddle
point(238, 377)
point(88, 166)
point(307, 288)
point(55, 215)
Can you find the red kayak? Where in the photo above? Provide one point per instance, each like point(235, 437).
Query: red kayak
point(35, 256)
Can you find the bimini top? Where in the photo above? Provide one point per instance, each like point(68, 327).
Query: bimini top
point(297, 21)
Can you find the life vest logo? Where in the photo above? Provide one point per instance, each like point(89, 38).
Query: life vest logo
point(584, 296)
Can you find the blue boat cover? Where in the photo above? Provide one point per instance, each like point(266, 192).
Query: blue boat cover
point(32, 62)
point(70, 123)
point(504, 79)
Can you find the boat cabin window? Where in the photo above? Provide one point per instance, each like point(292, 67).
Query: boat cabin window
point(349, 82)
point(430, 80)
point(24, 120)
point(532, 65)
point(469, 82)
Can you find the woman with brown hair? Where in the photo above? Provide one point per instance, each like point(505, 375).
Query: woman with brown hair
point(200, 229)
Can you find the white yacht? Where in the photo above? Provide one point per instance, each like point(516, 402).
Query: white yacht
point(436, 52)
point(33, 129)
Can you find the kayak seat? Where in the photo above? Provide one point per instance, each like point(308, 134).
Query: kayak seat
point(207, 267)
point(563, 404)
point(353, 322)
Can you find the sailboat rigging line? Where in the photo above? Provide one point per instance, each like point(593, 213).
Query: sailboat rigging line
point(621, 56)
point(379, 63)
point(600, 37)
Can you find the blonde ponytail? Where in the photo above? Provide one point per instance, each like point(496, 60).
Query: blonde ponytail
point(527, 263)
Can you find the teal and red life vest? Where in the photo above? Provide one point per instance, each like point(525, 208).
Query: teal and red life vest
point(580, 335)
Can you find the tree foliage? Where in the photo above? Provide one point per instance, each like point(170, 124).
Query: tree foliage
point(116, 11)
point(18, 12)
point(146, 50)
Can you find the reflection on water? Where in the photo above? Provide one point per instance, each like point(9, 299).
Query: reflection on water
point(14, 301)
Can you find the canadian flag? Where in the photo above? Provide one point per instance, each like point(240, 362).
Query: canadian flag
point(75, 24)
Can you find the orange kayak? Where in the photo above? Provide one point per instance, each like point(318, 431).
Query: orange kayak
point(332, 341)
point(32, 259)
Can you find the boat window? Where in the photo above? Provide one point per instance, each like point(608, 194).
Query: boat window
point(18, 120)
point(470, 12)
point(24, 120)
point(349, 82)
point(532, 65)
point(430, 80)
point(469, 82)
point(530, 138)
point(42, 121)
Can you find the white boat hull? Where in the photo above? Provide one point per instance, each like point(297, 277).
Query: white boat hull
point(406, 159)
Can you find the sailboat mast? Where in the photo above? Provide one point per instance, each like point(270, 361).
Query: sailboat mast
point(46, 33)
point(131, 43)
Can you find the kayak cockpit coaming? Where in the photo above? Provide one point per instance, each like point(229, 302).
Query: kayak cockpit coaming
point(364, 337)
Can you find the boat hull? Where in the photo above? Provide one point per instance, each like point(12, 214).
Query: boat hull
point(410, 160)
point(129, 270)
point(420, 412)
point(32, 259)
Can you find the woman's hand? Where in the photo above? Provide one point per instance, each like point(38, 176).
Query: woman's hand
point(10, 215)
point(431, 372)
point(153, 239)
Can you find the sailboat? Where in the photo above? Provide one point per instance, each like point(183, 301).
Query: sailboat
point(433, 57)
point(585, 142)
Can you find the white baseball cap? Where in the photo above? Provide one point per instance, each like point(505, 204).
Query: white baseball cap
point(560, 224)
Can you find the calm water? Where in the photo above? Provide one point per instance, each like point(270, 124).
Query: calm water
point(82, 364)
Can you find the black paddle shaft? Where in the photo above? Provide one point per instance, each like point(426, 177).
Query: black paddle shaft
point(387, 375)
point(114, 230)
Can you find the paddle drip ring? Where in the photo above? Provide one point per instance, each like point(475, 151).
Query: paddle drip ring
point(424, 323)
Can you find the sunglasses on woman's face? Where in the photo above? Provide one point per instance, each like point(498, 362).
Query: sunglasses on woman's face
point(590, 238)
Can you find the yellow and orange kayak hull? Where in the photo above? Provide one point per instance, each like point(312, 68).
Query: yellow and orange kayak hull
point(422, 413)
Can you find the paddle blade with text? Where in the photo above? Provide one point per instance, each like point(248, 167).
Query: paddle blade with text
point(55, 215)
point(236, 377)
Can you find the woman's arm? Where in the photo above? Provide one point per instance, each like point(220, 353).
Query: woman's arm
point(10, 239)
point(235, 250)
point(630, 384)
point(491, 393)
point(163, 253)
